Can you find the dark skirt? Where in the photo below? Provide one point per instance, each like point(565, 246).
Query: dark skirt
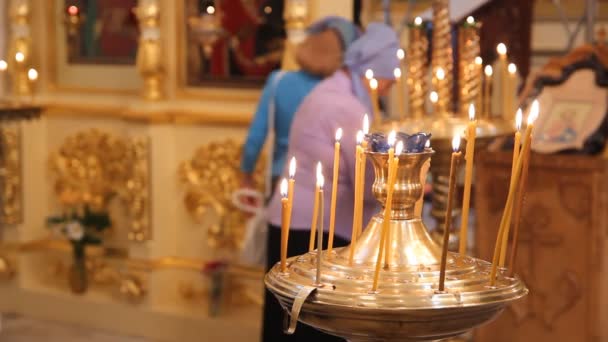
point(272, 329)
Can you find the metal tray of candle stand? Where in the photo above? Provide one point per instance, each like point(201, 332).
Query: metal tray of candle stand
point(406, 305)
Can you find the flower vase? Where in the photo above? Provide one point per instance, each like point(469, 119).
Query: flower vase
point(78, 271)
point(216, 291)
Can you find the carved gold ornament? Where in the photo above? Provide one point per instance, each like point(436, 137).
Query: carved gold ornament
point(93, 167)
point(10, 175)
point(137, 191)
point(6, 269)
point(210, 177)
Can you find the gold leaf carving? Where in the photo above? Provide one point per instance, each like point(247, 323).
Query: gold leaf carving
point(210, 177)
point(10, 175)
point(92, 167)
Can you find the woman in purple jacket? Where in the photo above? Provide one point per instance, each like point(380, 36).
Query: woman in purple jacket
point(340, 101)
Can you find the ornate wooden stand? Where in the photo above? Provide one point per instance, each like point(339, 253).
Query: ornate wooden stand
point(562, 256)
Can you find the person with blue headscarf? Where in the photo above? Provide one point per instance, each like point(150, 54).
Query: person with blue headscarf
point(319, 56)
point(339, 101)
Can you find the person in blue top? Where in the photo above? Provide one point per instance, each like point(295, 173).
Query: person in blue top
point(319, 56)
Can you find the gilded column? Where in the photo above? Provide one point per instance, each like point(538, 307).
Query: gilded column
point(469, 73)
point(442, 53)
point(296, 19)
point(149, 63)
point(417, 52)
point(20, 47)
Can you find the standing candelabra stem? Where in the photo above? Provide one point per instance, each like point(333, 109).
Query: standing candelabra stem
point(469, 77)
point(417, 69)
point(442, 53)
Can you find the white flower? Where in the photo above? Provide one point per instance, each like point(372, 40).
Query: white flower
point(74, 231)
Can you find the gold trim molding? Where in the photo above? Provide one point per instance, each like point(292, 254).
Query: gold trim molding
point(10, 175)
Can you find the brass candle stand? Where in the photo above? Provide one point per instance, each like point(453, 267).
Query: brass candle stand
point(407, 305)
point(446, 121)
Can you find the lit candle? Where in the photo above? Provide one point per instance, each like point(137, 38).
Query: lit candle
point(479, 76)
point(73, 10)
point(361, 190)
point(315, 214)
point(395, 164)
point(387, 205)
point(284, 224)
point(448, 216)
point(502, 69)
point(354, 233)
point(19, 57)
point(400, 90)
point(320, 182)
point(505, 239)
point(373, 86)
point(511, 91)
point(434, 97)
point(503, 232)
point(516, 141)
point(369, 74)
point(3, 65)
point(518, 206)
point(486, 91)
point(468, 179)
point(334, 191)
point(423, 173)
point(292, 181)
point(32, 74)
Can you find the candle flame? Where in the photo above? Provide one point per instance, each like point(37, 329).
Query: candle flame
point(440, 73)
point(400, 54)
point(32, 74)
point(19, 57)
point(397, 73)
point(501, 48)
point(373, 83)
point(365, 124)
point(418, 21)
point(456, 142)
point(392, 136)
point(320, 178)
point(369, 74)
point(399, 148)
point(338, 134)
point(360, 137)
point(3, 65)
point(73, 10)
point(534, 111)
point(471, 112)
point(470, 20)
point(488, 70)
point(434, 97)
point(284, 188)
point(210, 10)
point(512, 68)
point(478, 60)
point(292, 167)
point(518, 119)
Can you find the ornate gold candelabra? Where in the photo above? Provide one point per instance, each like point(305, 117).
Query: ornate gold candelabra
point(149, 58)
point(444, 123)
point(407, 305)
